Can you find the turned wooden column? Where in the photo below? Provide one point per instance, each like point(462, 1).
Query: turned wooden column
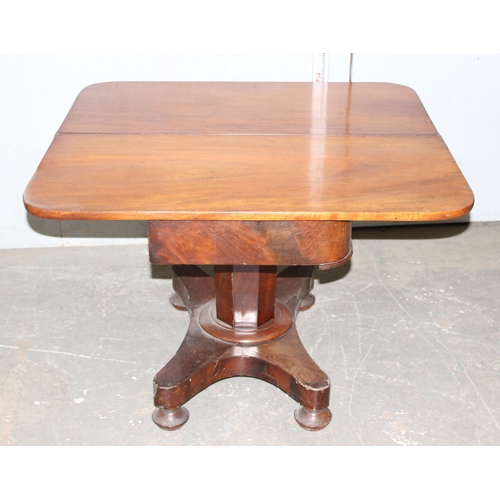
point(245, 310)
point(245, 295)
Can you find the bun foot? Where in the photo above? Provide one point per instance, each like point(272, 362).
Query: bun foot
point(313, 420)
point(176, 301)
point(170, 420)
point(307, 302)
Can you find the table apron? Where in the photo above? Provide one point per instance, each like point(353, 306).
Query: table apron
point(287, 243)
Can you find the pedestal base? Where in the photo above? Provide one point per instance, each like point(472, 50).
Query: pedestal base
point(204, 358)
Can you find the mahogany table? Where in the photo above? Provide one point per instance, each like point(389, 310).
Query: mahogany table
point(247, 177)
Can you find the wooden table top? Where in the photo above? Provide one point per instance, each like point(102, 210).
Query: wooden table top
point(248, 151)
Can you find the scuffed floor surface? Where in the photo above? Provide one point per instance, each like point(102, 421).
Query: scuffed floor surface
point(408, 332)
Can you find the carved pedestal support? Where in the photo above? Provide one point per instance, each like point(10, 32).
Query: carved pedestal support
point(243, 318)
point(238, 339)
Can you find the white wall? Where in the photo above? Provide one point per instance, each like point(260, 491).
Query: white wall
point(37, 90)
point(461, 93)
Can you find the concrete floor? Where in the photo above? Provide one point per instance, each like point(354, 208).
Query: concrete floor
point(408, 332)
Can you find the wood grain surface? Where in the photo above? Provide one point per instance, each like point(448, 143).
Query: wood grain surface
point(283, 243)
point(231, 151)
point(224, 108)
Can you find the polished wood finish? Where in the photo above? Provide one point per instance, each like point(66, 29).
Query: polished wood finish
point(283, 243)
point(247, 108)
point(247, 177)
point(244, 295)
point(172, 419)
point(245, 309)
point(155, 177)
point(172, 151)
point(203, 358)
